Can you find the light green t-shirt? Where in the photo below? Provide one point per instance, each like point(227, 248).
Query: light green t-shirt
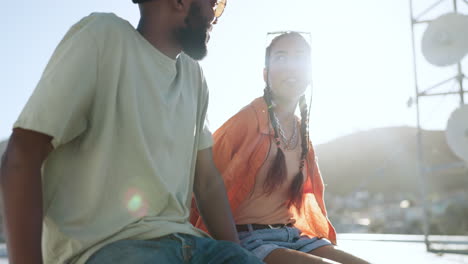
point(127, 123)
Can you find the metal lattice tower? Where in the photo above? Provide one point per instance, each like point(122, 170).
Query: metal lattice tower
point(458, 78)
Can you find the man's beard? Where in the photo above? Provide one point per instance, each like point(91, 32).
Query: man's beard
point(193, 37)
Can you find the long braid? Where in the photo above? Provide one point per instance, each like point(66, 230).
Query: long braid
point(277, 173)
point(295, 193)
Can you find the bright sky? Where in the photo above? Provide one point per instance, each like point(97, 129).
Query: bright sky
point(362, 58)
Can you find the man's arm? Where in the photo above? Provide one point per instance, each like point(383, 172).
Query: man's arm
point(21, 186)
point(211, 198)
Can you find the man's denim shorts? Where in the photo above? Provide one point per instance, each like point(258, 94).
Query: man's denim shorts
point(171, 249)
point(262, 242)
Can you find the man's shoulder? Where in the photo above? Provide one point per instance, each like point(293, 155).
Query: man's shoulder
point(101, 25)
point(105, 19)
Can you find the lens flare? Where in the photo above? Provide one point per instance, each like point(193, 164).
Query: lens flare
point(135, 203)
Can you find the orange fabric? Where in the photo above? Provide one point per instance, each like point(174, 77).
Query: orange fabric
point(240, 148)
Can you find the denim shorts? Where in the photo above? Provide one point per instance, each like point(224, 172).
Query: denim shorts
point(262, 242)
point(172, 249)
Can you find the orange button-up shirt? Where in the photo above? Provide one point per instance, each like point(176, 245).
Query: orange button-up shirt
point(240, 148)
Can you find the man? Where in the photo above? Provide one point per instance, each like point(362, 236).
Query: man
point(115, 134)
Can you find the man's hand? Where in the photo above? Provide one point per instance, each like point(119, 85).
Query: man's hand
point(21, 186)
point(212, 202)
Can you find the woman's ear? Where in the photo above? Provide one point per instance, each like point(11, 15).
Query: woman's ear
point(265, 75)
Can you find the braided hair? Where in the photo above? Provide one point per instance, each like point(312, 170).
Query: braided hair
point(277, 173)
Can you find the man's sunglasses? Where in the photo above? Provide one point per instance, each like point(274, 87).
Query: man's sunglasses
point(219, 9)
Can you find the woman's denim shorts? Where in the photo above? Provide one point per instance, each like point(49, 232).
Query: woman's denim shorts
point(262, 242)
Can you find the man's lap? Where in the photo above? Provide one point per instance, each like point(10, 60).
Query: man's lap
point(174, 248)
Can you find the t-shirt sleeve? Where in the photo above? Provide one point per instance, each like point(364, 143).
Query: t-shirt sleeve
point(206, 138)
point(60, 103)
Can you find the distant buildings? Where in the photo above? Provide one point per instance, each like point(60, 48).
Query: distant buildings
point(398, 213)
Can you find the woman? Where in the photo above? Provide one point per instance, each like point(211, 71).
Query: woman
point(268, 164)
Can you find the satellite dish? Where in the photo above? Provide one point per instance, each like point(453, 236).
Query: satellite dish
point(445, 41)
point(457, 132)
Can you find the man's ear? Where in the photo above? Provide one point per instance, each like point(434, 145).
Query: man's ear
point(265, 75)
point(180, 5)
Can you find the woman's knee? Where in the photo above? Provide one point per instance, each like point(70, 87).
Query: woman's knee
point(334, 253)
point(283, 255)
